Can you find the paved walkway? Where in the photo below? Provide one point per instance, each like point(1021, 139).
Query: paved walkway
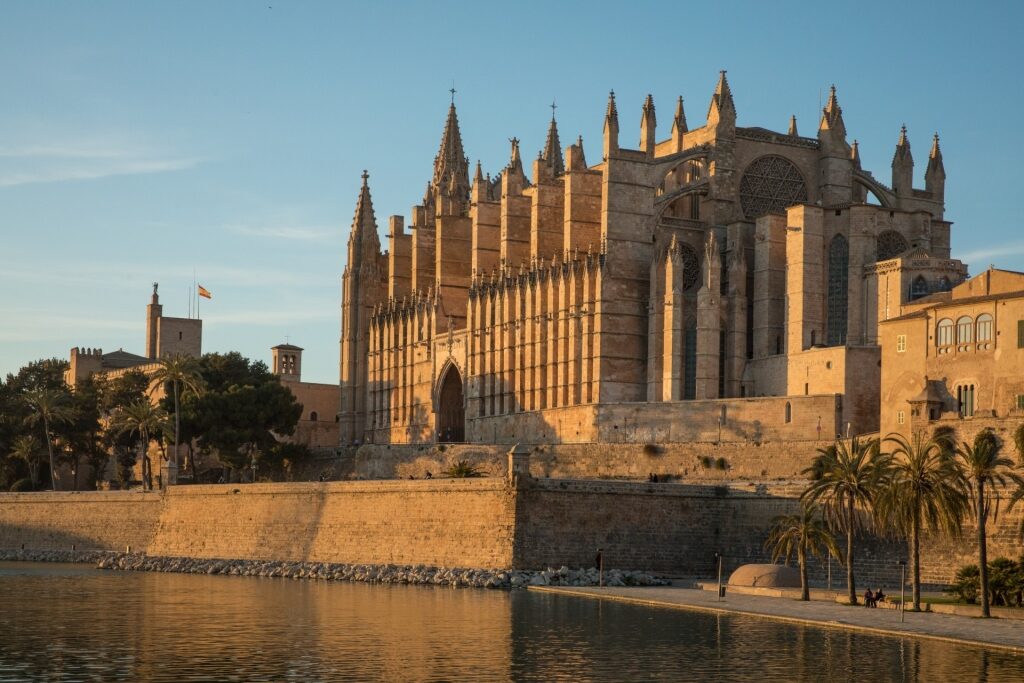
point(1003, 634)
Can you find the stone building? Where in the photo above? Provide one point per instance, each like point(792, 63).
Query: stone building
point(318, 424)
point(721, 280)
point(956, 355)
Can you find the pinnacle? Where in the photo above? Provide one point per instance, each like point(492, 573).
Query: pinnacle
point(792, 126)
point(722, 100)
point(679, 122)
point(553, 147)
point(832, 114)
point(936, 152)
point(613, 113)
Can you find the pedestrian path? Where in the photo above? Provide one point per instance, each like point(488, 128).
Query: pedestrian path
point(1003, 634)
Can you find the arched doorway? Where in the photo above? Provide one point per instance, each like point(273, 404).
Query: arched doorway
point(451, 410)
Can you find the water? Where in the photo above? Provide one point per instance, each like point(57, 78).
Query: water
point(75, 623)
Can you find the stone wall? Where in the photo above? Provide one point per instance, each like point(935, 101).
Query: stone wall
point(94, 520)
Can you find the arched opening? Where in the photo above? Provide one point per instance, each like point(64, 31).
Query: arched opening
point(451, 409)
point(313, 417)
point(919, 288)
point(890, 245)
point(838, 289)
point(789, 412)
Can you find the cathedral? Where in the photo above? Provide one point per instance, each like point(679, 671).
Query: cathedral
point(723, 283)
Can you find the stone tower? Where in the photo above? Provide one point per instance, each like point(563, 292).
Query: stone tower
point(154, 311)
point(363, 286)
point(286, 360)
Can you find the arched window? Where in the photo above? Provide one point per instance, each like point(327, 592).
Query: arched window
point(944, 284)
point(964, 330)
point(890, 245)
point(919, 288)
point(313, 416)
point(838, 288)
point(944, 333)
point(984, 328)
point(789, 412)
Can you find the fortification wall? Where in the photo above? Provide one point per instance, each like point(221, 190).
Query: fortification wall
point(94, 520)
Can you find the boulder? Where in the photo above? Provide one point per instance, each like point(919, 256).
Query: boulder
point(766, 576)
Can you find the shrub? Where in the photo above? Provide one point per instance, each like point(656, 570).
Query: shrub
point(22, 485)
point(707, 461)
point(967, 584)
point(721, 464)
point(1003, 579)
point(464, 470)
point(652, 449)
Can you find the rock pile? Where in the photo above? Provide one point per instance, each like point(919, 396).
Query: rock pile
point(381, 573)
point(89, 556)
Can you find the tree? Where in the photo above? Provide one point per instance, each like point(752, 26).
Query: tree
point(182, 372)
point(49, 407)
point(147, 422)
point(801, 534)
point(29, 450)
point(116, 394)
point(15, 412)
point(985, 472)
point(82, 433)
point(242, 411)
point(925, 491)
point(846, 479)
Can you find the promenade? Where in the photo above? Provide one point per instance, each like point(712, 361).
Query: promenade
point(1002, 634)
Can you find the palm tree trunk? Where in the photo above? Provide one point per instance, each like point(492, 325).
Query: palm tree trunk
point(983, 550)
point(805, 592)
point(49, 448)
point(177, 427)
point(850, 581)
point(915, 562)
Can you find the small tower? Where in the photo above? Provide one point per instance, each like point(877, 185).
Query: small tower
point(903, 167)
point(792, 127)
point(935, 174)
point(648, 124)
point(611, 127)
point(722, 110)
point(154, 311)
point(834, 156)
point(552, 155)
point(286, 361)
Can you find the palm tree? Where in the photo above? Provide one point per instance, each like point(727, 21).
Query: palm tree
point(801, 534)
point(925, 491)
point(846, 479)
point(981, 465)
point(147, 421)
point(49, 407)
point(27, 448)
point(181, 371)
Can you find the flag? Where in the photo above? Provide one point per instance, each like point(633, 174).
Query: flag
point(204, 292)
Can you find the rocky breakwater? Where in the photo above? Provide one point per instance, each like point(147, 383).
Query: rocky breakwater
point(380, 573)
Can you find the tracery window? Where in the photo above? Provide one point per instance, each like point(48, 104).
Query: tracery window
point(838, 289)
point(890, 245)
point(944, 333)
point(919, 288)
point(964, 330)
point(691, 266)
point(770, 184)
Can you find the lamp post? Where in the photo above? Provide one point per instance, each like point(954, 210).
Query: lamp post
point(903, 589)
point(718, 556)
point(600, 567)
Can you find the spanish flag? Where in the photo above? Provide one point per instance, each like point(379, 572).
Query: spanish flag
point(204, 292)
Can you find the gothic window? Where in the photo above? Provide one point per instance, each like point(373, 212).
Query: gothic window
point(919, 288)
point(838, 289)
point(944, 333)
point(964, 330)
point(789, 412)
point(313, 416)
point(984, 328)
point(691, 266)
point(965, 398)
point(890, 245)
point(770, 184)
point(690, 360)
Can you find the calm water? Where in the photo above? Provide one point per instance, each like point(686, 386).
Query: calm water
point(74, 623)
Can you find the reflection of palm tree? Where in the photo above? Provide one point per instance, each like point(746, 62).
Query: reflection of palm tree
point(846, 481)
point(27, 448)
point(981, 464)
point(147, 421)
point(801, 534)
point(925, 491)
point(181, 371)
point(49, 407)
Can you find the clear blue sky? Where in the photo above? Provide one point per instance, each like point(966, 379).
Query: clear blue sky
point(140, 140)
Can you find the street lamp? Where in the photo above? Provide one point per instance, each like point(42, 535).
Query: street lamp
point(903, 588)
point(721, 591)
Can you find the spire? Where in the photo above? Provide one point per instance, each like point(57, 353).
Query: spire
point(648, 124)
point(722, 106)
point(903, 166)
point(450, 167)
point(832, 116)
point(679, 122)
point(855, 154)
point(935, 174)
point(478, 177)
point(611, 126)
point(363, 236)
point(902, 154)
point(574, 156)
point(553, 148)
point(792, 126)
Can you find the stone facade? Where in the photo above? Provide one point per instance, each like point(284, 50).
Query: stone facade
point(955, 356)
point(668, 283)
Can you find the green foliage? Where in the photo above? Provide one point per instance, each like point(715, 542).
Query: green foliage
point(966, 585)
point(804, 534)
point(1018, 441)
point(463, 469)
point(945, 438)
point(721, 464)
point(22, 485)
point(706, 461)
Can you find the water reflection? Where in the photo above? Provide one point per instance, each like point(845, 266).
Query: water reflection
point(70, 623)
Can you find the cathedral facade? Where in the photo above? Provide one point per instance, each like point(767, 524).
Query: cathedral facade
point(722, 283)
